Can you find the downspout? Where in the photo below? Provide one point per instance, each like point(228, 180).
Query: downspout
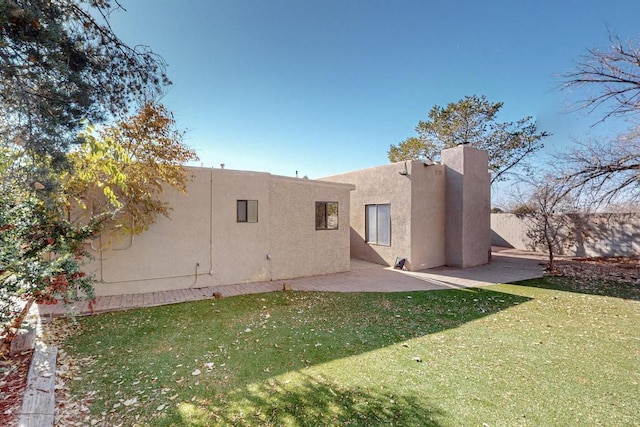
point(101, 251)
point(132, 241)
point(211, 226)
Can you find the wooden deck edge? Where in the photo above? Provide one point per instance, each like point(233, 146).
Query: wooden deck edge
point(25, 340)
point(38, 403)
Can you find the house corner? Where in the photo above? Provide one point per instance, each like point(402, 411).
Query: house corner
point(467, 206)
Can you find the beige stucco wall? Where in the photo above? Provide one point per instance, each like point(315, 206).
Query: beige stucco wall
point(297, 248)
point(468, 206)
point(238, 250)
point(508, 230)
point(202, 244)
point(429, 216)
point(415, 193)
point(165, 257)
point(440, 214)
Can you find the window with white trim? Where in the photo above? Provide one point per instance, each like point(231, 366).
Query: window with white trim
point(378, 224)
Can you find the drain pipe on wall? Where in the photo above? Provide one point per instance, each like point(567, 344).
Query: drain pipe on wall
point(101, 251)
point(132, 241)
point(196, 279)
point(148, 279)
point(211, 224)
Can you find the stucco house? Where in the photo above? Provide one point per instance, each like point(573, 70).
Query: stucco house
point(239, 227)
point(427, 214)
point(232, 227)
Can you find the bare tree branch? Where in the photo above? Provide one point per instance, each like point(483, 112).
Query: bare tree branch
point(604, 171)
point(607, 171)
point(554, 218)
point(614, 75)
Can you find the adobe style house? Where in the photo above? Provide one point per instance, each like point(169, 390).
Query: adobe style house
point(429, 214)
point(232, 227)
point(239, 227)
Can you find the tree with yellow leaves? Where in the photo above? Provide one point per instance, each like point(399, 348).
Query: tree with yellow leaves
point(122, 170)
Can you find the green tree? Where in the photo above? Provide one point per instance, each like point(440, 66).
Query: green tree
point(121, 171)
point(40, 249)
point(61, 66)
point(473, 120)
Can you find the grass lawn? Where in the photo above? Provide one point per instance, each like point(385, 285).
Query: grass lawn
point(541, 352)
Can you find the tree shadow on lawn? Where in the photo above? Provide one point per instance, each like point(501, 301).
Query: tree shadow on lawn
point(306, 401)
point(585, 285)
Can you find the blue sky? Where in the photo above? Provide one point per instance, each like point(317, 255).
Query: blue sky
point(323, 87)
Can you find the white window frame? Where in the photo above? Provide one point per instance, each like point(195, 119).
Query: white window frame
point(377, 229)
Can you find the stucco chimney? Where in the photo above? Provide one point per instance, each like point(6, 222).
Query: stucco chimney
point(468, 206)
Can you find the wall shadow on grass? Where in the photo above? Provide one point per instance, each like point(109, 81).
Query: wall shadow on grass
point(308, 328)
point(624, 290)
point(252, 340)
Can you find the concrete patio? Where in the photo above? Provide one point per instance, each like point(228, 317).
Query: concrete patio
point(506, 266)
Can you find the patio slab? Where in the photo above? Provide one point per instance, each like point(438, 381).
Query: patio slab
point(506, 266)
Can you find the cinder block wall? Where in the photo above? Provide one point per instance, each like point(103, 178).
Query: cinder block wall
point(610, 234)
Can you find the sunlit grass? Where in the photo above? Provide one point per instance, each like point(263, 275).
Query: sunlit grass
point(505, 355)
